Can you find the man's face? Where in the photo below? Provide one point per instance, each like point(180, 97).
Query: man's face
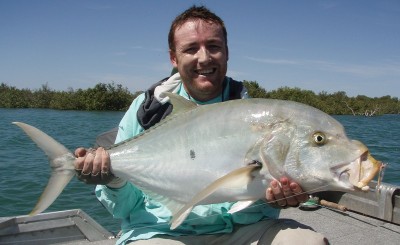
point(201, 57)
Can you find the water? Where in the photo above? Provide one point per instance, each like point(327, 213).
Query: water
point(23, 166)
point(24, 170)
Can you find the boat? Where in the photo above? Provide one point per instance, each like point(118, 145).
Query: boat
point(366, 218)
point(67, 227)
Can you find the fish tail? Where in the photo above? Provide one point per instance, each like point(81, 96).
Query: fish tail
point(61, 162)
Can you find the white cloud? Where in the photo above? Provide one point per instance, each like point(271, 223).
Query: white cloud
point(362, 70)
point(272, 61)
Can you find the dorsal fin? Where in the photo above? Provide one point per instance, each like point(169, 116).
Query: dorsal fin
point(179, 103)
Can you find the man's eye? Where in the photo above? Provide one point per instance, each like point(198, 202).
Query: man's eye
point(190, 50)
point(214, 47)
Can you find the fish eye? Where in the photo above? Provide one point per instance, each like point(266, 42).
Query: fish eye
point(319, 138)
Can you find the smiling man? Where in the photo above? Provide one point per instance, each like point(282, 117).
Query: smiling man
point(199, 55)
point(199, 51)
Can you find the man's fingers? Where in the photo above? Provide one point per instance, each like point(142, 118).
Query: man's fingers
point(101, 162)
point(79, 162)
point(97, 162)
point(287, 193)
point(88, 164)
point(94, 166)
point(105, 168)
point(269, 195)
point(80, 152)
point(300, 195)
point(80, 158)
point(278, 194)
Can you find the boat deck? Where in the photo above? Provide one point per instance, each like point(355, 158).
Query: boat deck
point(346, 227)
point(339, 227)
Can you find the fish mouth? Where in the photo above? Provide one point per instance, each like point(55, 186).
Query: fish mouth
point(358, 173)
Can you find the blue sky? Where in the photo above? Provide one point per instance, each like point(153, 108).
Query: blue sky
point(345, 45)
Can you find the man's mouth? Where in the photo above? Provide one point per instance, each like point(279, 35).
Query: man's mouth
point(205, 72)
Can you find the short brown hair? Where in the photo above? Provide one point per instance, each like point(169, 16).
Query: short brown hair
point(194, 13)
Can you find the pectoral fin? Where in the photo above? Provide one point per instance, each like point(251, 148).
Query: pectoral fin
point(237, 178)
point(240, 206)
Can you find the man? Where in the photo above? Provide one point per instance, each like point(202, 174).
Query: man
point(199, 52)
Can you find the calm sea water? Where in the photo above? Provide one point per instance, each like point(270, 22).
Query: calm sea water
point(24, 170)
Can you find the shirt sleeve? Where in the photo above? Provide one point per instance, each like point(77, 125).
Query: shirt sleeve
point(129, 125)
point(120, 202)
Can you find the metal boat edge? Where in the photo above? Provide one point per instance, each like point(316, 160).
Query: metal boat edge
point(381, 202)
point(51, 228)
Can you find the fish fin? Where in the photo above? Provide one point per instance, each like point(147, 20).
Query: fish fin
point(178, 220)
point(272, 148)
point(61, 163)
point(172, 205)
point(55, 186)
point(179, 103)
point(240, 206)
point(237, 178)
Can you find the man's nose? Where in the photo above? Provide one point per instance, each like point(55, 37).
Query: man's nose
point(204, 55)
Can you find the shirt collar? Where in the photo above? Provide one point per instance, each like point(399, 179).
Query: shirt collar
point(220, 98)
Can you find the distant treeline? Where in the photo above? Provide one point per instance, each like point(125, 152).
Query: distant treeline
point(103, 97)
point(114, 97)
point(337, 103)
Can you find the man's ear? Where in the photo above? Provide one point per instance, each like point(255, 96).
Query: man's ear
point(172, 58)
point(227, 53)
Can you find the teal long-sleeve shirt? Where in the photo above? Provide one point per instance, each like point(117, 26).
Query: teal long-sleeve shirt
point(143, 218)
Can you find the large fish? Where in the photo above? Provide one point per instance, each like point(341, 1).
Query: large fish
point(223, 152)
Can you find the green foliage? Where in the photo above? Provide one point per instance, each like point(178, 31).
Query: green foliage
point(101, 97)
point(12, 97)
point(337, 103)
point(106, 97)
point(114, 97)
point(254, 90)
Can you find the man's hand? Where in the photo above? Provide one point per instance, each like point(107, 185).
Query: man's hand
point(93, 166)
point(285, 193)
